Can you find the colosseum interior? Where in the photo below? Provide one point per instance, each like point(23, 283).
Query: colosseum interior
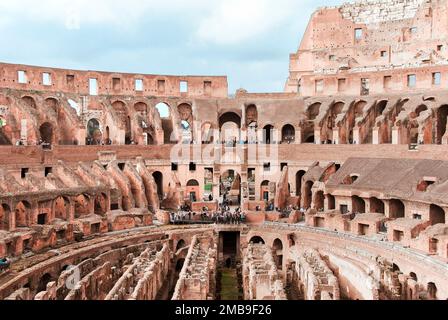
point(119, 186)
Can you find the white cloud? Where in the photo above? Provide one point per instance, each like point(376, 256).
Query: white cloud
point(235, 21)
point(74, 13)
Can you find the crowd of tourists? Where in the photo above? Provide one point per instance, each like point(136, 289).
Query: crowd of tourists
point(224, 215)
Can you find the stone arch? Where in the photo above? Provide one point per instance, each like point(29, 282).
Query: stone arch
point(62, 208)
point(268, 134)
point(100, 204)
point(380, 107)
point(277, 247)
point(257, 239)
point(43, 281)
point(396, 209)
point(288, 134)
point(436, 214)
point(358, 205)
point(376, 205)
point(313, 111)
point(358, 108)
point(419, 110)
point(251, 114)
point(319, 199)
point(432, 291)
point(52, 103)
point(180, 244)
point(158, 179)
point(165, 115)
point(186, 117)
point(94, 134)
point(81, 206)
point(264, 190)
point(413, 276)
point(299, 176)
point(229, 126)
point(46, 133)
point(22, 214)
point(193, 190)
point(141, 107)
point(29, 102)
point(5, 212)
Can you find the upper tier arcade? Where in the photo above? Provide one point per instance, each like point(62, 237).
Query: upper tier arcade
point(23, 77)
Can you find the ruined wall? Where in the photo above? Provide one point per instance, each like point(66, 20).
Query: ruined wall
point(261, 280)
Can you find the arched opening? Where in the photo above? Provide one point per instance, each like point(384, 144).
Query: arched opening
point(5, 213)
point(186, 116)
point(252, 135)
point(180, 244)
point(22, 213)
point(107, 139)
point(419, 110)
point(376, 205)
point(308, 194)
point(395, 268)
point(331, 202)
point(358, 205)
point(44, 280)
point(278, 253)
point(193, 190)
point(251, 114)
point(310, 139)
point(62, 208)
point(264, 190)
point(319, 199)
point(100, 204)
point(230, 187)
point(94, 135)
point(350, 179)
point(268, 134)
point(442, 115)
point(167, 124)
point(158, 178)
point(257, 239)
point(299, 176)
point(29, 102)
point(288, 134)
point(52, 103)
point(432, 291)
point(413, 276)
point(46, 133)
point(313, 111)
point(229, 126)
point(396, 209)
point(81, 206)
point(436, 214)
point(380, 107)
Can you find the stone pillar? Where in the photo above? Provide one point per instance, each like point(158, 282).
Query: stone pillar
point(395, 135)
point(298, 135)
point(356, 136)
point(375, 135)
point(317, 138)
point(335, 136)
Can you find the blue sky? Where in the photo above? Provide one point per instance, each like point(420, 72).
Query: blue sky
point(247, 40)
